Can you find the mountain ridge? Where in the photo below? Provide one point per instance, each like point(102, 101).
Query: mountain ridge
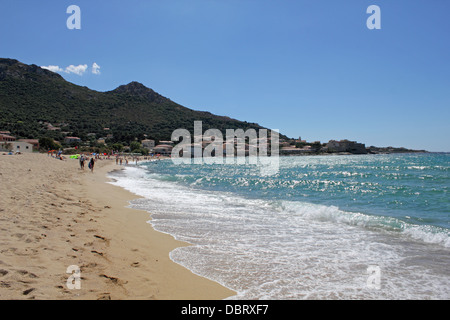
point(32, 97)
point(139, 89)
point(17, 69)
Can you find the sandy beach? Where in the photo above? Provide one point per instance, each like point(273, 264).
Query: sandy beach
point(54, 215)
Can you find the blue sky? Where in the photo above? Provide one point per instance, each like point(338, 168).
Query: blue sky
point(308, 68)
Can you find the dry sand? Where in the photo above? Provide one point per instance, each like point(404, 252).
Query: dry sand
point(54, 215)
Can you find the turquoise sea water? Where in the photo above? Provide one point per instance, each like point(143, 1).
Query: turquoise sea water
point(312, 231)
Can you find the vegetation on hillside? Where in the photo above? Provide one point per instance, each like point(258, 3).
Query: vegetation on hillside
point(37, 103)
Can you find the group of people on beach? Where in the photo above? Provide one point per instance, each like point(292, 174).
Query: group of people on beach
point(91, 160)
point(121, 161)
point(56, 154)
point(90, 164)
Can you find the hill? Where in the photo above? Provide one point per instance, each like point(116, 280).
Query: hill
point(36, 103)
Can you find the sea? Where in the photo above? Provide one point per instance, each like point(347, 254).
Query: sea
point(323, 227)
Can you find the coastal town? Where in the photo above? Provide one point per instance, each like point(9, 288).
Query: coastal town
point(105, 145)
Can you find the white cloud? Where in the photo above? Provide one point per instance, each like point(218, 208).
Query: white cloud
point(95, 68)
point(53, 68)
point(79, 70)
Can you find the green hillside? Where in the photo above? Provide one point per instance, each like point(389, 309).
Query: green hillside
point(31, 98)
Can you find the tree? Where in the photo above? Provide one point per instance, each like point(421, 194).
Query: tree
point(46, 143)
point(135, 146)
point(8, 146)
point(117, 147)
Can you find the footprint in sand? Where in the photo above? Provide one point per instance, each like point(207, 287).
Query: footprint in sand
point(28, 291)
point(25, 272)
point(104, 296)
point(96, 252)
point(114, 280)
point(90, 265)
point(101, 238)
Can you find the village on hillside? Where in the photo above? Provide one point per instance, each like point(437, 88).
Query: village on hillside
point(105, 145)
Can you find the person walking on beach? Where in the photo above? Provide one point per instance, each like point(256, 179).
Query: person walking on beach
point(91, 164)
point(82, 159)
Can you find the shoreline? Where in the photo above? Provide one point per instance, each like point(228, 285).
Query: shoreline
point(181, 283)
point(54, 215)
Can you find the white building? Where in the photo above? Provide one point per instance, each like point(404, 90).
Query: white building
point(148, 144)
point(163, 149)
point(71, 139)
point(16, 146)
point(170, 143)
